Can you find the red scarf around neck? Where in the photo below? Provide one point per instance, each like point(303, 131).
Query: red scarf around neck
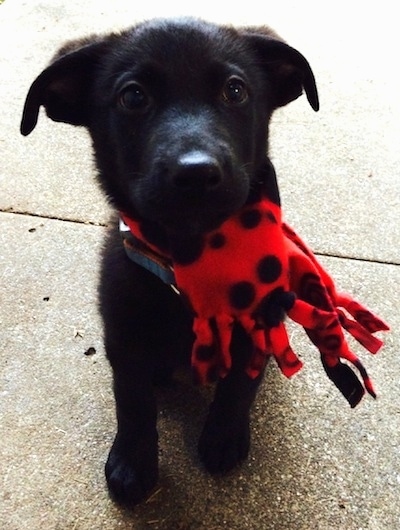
point(253, 270)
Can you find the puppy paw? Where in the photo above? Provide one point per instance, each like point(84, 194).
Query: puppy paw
point(130, 480)
point(222, 446)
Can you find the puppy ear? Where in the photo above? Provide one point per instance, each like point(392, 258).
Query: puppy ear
point(288, 69)
point(64, 87)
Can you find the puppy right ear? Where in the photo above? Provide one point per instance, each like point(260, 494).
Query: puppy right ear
point(64, 87)
point(288, 70)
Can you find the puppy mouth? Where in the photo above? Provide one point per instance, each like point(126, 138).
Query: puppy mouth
point(192, 225)
point(193, 195)
point(192, 213)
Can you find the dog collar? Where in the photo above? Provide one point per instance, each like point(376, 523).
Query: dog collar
point(143, 255)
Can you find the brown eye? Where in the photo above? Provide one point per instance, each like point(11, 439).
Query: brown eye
point(235, 91)
point(133, 97)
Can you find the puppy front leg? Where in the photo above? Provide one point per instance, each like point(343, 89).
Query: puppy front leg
point(134, 305)
point(225, 439)
point(132, 465)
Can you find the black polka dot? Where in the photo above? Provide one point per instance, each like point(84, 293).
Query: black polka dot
point(186, 251)
point(242, 295)
point(267, 314)
point(272, 308)
point(269, 269)
point(217, 240)
point(250, 218)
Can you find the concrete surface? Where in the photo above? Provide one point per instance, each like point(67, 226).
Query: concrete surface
point(314, 463)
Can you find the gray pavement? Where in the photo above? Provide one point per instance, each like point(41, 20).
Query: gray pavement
point(314, 463)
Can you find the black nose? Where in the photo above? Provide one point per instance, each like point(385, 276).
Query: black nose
point(196, 171)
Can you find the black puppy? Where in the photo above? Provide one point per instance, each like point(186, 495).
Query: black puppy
point(178, 112)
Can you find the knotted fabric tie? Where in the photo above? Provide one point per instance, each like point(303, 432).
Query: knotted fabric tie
point(253, 270)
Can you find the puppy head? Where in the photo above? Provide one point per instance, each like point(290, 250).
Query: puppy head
point(178, 112)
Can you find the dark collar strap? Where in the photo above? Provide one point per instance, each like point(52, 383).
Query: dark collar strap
point(142, 255)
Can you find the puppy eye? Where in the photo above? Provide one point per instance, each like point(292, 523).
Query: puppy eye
point(133, 97)
point(235, 91)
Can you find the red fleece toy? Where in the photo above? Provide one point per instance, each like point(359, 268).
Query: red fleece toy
point(254, 270)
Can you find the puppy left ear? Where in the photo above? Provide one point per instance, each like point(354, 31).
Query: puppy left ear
point(64, 87)
point(288, 69)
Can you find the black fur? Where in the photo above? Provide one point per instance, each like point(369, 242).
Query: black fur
point(178, 112)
